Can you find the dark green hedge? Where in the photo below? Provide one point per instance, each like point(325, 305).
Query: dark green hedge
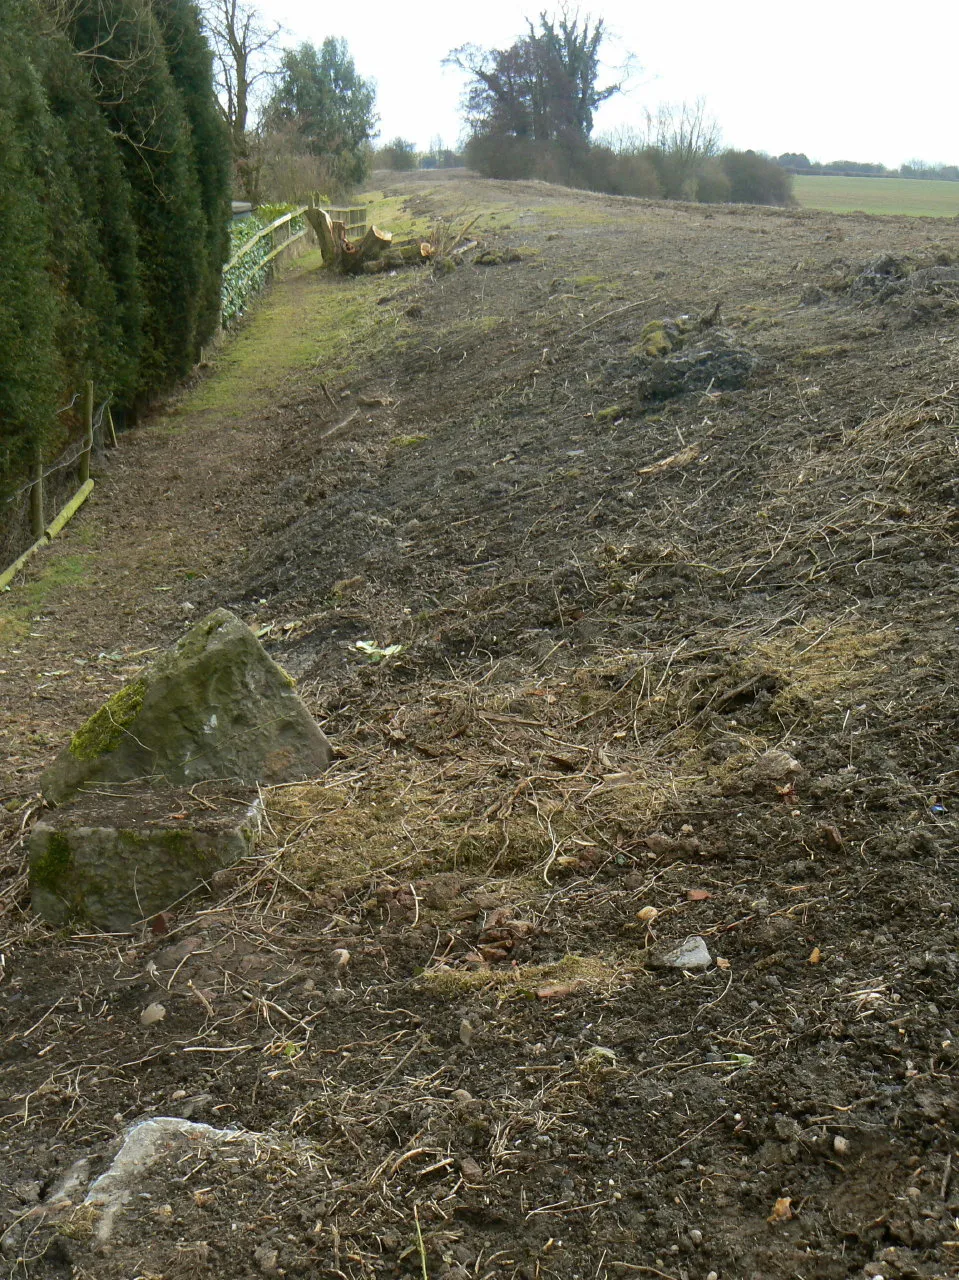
point(114, 210)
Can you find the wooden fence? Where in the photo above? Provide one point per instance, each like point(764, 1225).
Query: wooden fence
point(249, 268)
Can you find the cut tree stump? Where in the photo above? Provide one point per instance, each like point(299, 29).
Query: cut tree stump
point(341, 254)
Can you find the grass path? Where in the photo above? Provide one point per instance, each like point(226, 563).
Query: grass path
point(181, 496)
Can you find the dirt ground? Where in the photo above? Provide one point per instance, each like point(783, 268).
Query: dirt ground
point(678, 660)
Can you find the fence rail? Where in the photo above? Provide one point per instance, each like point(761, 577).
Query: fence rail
point(97, 432)
point(248, 269)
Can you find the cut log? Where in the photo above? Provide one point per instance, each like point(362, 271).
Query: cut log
point(415, 250)
point(374, 243)
point(367, 253)
point(319, 220)
point(374, 252)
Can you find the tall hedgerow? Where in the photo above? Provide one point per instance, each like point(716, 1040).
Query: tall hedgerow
point(191, 66)
point(122, 46)
point(29, 364)
point(114, 210)
point(93, 242)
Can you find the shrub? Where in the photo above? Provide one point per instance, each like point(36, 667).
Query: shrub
point(756, 179)
point(398, 154)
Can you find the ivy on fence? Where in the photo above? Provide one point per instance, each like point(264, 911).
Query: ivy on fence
point(252, 249)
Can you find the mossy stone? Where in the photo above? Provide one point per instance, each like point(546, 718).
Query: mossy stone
point(112, 861)
point(215, 707)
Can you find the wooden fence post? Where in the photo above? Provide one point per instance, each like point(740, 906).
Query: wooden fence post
point(112, 428)
point(88, 432)
point(36, 497)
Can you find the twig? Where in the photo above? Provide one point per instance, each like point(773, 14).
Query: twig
point(421, 1247)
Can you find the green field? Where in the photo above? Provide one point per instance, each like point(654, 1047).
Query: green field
point(913, 196)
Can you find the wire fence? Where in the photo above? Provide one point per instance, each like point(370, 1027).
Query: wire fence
point(32, 511)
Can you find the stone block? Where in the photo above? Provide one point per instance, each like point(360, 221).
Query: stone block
point(112, 859)
point(215, 707)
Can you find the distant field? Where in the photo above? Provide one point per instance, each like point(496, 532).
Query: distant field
point(879, 195)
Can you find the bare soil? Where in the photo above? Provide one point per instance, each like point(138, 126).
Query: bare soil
point(672, 666)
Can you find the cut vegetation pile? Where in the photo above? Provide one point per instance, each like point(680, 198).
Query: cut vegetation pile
point(606, 673)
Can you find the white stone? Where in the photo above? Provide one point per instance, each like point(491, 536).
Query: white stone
point(691, 954)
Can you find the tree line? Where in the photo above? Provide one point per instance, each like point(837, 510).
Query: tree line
point(530, 112)
point(114, 210)
point(301, 119)
point(799, 162)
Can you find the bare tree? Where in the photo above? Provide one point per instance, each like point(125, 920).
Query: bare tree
point(245, 56)
point(683, 137)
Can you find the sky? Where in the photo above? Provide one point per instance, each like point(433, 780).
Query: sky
point(843, 79)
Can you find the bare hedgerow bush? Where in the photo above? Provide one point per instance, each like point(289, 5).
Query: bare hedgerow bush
point(497, 155)
point(676, 156)
point(679, 141)
point(570, 163)
point(288, 172)
point(621, 174)
point(713, 185)
point(398, 154)
point(756, 179)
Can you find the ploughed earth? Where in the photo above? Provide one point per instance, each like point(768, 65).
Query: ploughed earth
point(620, 569)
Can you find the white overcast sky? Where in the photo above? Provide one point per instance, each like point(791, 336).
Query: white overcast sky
point(838, 79)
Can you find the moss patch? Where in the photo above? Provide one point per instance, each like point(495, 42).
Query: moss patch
point(606, 415)
point(588, 973)
point(820, 355)
point(106, 727)
point(51, 869)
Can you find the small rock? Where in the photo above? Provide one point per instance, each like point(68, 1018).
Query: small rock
point(152, 1013)
point(471, 1171)
point(691, 954)
point(341, 959)
point(462, 1095)
point(225, 878)
point(143, 1144)
point(266, 1258)
point(775, 765)
point(831, 836)
point(556, 990)
point(712, 1275)
point(840, 1145)
point(466, 1031)
point(696, 1236)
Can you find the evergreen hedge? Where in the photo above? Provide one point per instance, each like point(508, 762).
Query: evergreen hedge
point(114, 210)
